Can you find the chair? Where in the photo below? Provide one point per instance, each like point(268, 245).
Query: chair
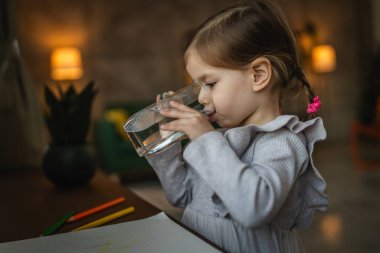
point(362, 133)
point(115, 151)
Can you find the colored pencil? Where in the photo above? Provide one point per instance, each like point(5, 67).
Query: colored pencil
point(107, 219)
point(57, 225)
point(96, 209)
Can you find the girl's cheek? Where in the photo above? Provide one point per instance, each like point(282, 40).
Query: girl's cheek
point(221, 102)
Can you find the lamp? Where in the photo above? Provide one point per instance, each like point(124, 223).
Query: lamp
point(307, 37)
point(66, 64)
point(323, 58)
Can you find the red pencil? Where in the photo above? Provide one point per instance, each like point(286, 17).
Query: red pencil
point(95, 209)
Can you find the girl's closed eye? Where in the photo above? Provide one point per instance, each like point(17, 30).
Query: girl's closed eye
point(210, 84)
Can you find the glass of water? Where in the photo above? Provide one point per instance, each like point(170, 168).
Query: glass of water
point(143, 127)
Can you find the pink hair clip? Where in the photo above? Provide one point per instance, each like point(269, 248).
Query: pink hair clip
point(313, 107)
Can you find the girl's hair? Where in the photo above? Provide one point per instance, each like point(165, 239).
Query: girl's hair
point(235, 37)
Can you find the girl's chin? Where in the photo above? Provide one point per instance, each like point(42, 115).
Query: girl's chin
point(224, 124)
point(212, 118)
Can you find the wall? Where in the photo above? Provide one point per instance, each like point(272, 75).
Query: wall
point(133, 49)
point(376, 21)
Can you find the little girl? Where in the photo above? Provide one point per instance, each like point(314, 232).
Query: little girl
point(247, 185)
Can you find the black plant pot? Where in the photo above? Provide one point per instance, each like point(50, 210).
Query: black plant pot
point(69, 165)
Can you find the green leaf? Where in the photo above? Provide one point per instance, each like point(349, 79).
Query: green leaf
point(69, 117)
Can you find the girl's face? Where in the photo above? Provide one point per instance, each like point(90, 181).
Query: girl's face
point(228, 93)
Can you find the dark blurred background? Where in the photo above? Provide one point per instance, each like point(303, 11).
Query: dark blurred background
point(133, 49)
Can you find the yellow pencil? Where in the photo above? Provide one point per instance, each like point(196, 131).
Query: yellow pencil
point(107, 218)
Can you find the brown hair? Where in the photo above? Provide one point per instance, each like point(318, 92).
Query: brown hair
point(235, 37)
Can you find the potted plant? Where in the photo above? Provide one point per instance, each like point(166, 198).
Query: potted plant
point(69, 160)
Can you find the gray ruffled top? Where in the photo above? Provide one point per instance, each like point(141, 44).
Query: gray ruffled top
point(246, 188)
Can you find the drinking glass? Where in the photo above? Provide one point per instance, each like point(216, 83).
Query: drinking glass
point(143, 127)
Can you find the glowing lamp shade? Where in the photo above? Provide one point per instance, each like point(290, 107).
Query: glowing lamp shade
point(323, 59)
point(66, 64)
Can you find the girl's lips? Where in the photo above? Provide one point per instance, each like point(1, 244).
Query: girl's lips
point(210, 114)
point(212, 117)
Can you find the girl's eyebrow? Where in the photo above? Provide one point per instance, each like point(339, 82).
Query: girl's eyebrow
point(204, 77)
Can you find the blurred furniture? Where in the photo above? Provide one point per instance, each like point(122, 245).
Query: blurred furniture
point(361, 135)
point(31, 203)
point(116, 153)
point(22, 129)
point(366, 158)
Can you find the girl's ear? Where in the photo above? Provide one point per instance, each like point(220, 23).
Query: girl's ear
point(261, 73)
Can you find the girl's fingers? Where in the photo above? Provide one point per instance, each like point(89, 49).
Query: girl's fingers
point(181, 107)
point(176, 125)
point(192, 127)
point(174, 113)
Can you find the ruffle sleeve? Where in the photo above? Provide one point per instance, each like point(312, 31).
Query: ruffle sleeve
point(312, 183)
point(315, 198)
point(315, 185)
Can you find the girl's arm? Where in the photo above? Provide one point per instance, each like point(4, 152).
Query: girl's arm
point(252, 192)
point(172, 173)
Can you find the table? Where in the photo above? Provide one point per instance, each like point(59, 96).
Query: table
point(30, 203)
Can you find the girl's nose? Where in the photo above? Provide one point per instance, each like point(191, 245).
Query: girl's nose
point(204, 95)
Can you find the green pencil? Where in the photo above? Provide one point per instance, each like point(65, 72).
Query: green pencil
point(57, 225)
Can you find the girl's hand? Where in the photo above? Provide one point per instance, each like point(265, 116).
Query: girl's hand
point(189, 121)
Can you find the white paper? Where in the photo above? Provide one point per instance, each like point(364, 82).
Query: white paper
point(154, 234)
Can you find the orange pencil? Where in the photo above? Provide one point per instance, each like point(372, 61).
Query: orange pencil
point(95, 209)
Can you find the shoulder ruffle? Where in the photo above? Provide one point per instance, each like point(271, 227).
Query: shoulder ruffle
point(314, 131)
point(314, 198)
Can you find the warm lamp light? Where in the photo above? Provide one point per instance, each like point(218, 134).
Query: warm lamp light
point(323, 59)
point(66, 64)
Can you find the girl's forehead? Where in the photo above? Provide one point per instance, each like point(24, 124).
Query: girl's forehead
point(197, 67)
point(192, 57)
